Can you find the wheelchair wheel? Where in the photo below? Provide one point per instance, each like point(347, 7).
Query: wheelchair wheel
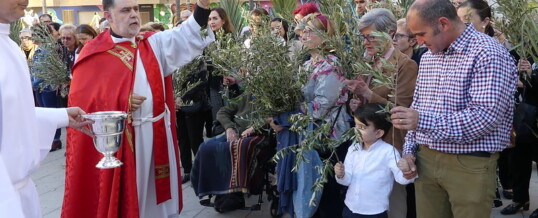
point(273, 208)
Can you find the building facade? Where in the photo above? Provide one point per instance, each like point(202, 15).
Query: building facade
point(90, 11)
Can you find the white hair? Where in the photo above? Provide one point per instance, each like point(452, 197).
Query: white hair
point(381, 18)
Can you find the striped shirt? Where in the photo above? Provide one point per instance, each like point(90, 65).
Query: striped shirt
point(464, 96)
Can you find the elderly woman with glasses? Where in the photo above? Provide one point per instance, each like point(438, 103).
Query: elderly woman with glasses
point(27, 44)
point(384, 57)
point(68, 37)
point(406, 42)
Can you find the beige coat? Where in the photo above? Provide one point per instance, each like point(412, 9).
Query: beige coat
point(407, 71)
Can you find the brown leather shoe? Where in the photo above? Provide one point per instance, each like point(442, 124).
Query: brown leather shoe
point(56, 145)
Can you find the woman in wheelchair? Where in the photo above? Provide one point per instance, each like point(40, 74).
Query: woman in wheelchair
point(224, 165)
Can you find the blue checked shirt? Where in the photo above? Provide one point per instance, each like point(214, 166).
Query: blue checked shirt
point(464, 97)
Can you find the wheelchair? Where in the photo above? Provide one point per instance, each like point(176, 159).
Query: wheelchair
point(262, 178)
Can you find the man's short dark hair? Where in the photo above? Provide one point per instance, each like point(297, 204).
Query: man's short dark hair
point(375, 114)
point(430, 11)
point(45, 15)
point(107, 4)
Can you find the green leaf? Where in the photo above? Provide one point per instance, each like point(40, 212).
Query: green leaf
point(235, 13)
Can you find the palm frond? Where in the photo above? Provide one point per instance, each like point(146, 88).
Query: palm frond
point(284, 8)
point(14, 31)
point(235, 13)
point(518, 22)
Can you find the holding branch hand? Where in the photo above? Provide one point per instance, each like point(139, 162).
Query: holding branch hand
point(404, 118)
point(228, 81)
point(274, 126)
point(339, 170)
point(524, 66)
point(179, 103)
point(358, 87)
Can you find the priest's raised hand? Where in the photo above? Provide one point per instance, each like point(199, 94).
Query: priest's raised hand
point(204, 3)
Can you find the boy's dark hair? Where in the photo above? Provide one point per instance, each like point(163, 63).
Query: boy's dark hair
point(374, 113)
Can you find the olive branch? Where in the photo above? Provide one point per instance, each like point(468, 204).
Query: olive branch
point(49, 65)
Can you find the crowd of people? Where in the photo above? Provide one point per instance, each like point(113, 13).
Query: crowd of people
point(460, 114)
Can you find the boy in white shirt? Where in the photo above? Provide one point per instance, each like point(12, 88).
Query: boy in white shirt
point(370, 167)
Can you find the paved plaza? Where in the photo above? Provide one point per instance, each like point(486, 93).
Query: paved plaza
point(51, 176)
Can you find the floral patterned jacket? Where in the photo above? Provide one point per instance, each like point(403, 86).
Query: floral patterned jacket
point(325, 92)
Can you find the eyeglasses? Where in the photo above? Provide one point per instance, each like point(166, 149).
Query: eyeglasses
point(25, 38)
point(67, 38)
point(399, 36)
point(369, 38)
point(308, 32)
point(46, 21)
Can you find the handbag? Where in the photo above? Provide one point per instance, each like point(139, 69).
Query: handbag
point(525, 123)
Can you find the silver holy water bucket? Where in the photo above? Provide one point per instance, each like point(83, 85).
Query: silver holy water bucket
point(107, 131)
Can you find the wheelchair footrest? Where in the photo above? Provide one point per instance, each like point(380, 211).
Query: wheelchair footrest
point(206, 202)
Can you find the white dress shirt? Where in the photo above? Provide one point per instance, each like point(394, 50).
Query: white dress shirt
point(369, 175)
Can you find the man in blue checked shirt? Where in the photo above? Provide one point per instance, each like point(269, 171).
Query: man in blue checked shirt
point(461, 116)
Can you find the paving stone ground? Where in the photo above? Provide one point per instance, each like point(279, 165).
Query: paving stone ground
point(51, 176)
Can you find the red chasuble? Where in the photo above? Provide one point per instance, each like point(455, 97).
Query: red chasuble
point(103, 79)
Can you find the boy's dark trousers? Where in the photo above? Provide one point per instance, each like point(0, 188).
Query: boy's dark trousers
point(349, 214)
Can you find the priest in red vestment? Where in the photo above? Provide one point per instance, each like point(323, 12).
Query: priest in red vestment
point(123, 70)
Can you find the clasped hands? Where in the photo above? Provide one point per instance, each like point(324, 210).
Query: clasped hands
point(360, 88)
point(407, 165)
